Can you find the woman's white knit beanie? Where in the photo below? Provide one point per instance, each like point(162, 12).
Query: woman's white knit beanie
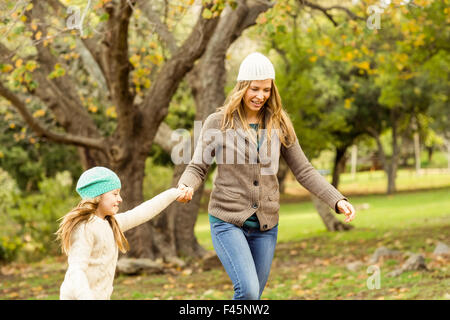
point(256, 66)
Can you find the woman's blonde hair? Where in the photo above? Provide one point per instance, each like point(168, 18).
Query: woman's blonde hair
point(271, 115)
point(81, 213)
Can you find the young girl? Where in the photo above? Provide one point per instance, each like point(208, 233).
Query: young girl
point(244, 203)
point(92, 233)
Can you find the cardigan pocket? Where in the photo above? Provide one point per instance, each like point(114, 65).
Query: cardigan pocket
point(231, 194)
point(274, 197)
point(228, 193)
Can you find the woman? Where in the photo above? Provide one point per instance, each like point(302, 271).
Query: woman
point(244, 203)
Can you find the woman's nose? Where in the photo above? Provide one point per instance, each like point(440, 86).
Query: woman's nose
point(260, 95)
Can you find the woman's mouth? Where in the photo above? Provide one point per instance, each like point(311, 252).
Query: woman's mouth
point(257, 104)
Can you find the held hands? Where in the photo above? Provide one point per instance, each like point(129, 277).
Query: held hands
point(346, 208)
point(187, 193)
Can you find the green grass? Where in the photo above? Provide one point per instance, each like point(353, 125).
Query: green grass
point(385, 214)
point(309, 262)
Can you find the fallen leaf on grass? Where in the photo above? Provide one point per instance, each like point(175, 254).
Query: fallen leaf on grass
point(190, 285)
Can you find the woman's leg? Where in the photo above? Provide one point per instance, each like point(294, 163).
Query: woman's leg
point(262, 245)
point(233, 251)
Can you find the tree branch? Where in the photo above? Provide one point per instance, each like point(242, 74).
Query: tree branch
point(163, 137)
point(41, 131)
point(156, 103)
point(91, 44)
point(326, 9)
point(115, 53)
point(161, 28)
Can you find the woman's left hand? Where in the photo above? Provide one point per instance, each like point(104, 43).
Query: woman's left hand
point(346, 208)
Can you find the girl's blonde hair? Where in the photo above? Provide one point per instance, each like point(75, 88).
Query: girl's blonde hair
point(271, 115)
point(81, 213)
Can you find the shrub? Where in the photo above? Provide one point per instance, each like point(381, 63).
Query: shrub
point(35, 217)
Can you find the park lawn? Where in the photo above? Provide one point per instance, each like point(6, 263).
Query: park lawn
point(309, 262)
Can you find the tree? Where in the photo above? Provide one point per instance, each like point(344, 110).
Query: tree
point(36, 69)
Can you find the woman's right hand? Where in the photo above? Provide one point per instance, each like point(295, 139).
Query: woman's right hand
point(187, 193)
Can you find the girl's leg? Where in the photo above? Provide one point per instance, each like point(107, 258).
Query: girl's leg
point(233, 251)
point(262, 245)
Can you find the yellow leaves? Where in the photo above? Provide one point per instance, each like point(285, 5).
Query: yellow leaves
point(34, 25)
point(406, 76)
point(326, 42)
point(365, 50)
point(348, 103)
point(365, 65)
point(349, 56)
point(39, 113)
point(313, 59)
point(111, 112)
point(156, 59)
point(31, 66)
point(12, 125)
point(321, 52)
point(417, 91)
point(19, 63)
point(93, 108)
point(6, 68)
point(419, 41)
point(58, 71)
point(72, 55)
point(135, 60)
point(355, 87)
point(400, 61)
point(2, 155)
point(38, 35)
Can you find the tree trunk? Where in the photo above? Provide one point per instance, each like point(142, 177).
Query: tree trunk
point(329, 218)
point(283, 170)
point(207, 82)
point(339, 165)
point(392, 165)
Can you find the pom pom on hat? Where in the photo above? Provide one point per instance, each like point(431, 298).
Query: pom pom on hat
point(256, 66)
point(97, 181)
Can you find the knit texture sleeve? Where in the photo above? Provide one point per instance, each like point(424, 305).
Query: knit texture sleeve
point(147, 210)
point(82, 242)
point(197, 169)
point(309, 177)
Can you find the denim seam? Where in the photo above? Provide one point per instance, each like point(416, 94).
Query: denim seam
point(229, 258)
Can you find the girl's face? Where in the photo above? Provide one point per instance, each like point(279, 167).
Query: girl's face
point(256, 95)
point(109, 203)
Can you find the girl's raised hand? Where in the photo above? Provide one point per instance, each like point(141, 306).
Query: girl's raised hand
point(346, 208)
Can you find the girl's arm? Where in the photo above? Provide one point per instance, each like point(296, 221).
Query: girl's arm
point(82, 242)
point(147, 210)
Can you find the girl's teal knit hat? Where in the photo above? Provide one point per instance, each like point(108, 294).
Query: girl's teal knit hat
point(97, 181)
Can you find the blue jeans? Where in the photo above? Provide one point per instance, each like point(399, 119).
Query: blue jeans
point(246, 255)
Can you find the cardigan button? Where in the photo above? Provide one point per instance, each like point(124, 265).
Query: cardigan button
point(255, 183)
point(255, 206)
point(265, 226)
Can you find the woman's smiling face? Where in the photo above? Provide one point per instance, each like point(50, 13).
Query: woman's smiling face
point(256, 95)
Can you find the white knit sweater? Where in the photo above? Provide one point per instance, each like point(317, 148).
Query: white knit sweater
point(93, 252)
